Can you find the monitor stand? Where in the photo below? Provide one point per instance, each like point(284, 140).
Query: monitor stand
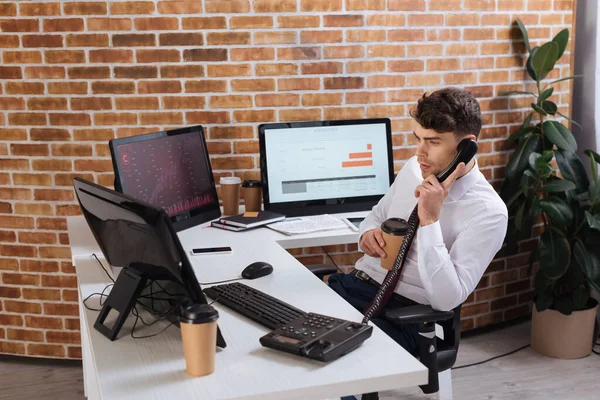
point(123, 297)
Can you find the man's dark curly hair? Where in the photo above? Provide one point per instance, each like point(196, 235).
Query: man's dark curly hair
point(449, 110)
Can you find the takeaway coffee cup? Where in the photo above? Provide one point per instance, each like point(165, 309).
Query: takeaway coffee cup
point(198, 323)
point(252, 194)
point(393, 231)
point(230, 194)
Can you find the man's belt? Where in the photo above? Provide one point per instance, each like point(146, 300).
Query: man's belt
point(404, 302)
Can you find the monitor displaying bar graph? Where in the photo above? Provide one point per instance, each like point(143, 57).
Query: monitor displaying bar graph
point(332, 162)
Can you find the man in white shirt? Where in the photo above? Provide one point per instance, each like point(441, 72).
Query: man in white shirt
point(462, 220)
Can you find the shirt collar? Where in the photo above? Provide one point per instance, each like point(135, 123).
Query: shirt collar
point(463, 184)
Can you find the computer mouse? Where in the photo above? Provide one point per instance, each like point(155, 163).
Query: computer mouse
point(257, 269)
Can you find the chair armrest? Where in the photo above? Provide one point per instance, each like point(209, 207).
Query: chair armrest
point(322, 269)
point(416, 314)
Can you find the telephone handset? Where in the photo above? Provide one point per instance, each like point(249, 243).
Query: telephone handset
point(466, 150)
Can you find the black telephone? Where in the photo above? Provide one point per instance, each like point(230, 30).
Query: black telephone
point(466, 150)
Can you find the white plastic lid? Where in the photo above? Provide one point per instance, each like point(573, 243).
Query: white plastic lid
point(230, 180)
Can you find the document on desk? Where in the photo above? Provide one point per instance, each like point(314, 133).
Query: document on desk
point(313, 223)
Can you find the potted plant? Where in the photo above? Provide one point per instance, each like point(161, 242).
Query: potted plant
point(547, 187)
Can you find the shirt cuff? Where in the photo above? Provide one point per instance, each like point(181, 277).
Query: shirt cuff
point(430, 236)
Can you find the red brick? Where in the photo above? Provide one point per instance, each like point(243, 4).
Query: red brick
point(474, 309)
point(299, 84)
point(63, 337)
point(146, 87)
point(59, 224)
point(205, 55)
point(59, 281)
point(38, 265)
point(13, 134)
point(55, 252)
point(25, 335)
point(47, 350)
point(92, 8)
point(12, 348)
point(109, 24)
point(9, 264)
point(231, 6)
point(426, 19)
point(298, 21)
point(86, 73)
point(42, 322)
point(151, 56)
point(253, 85)
point(7, 236)
point(133, 40)
point(11, 73)
point(14, 164)
point(181, 39)
point(326, 36)
point(11, 103)
point(9, 292)
point(227, 38)
point(204, 23)
point(64, 56)
point(93, 135)
point(22, 307)
point(93, 165)
point(252, 54)
point(325, 99)
point(68, 210)
point(47, 103)
point(218, 147)
point(63, 25)
point(348, 82)
point(71, 296)
point(230, 101)
point(201, 117)
point(362, 36)
point(8, 9)
point(111, 56)
point(156, 24)
point(406, 66)
point(161, 118)
point(365, 66)
point(343, 52)
point(229, 70)
point(137, 72)
point(44, 72)
point(9, 41)
point(277, 100)
point(20, 279)
point(254, 116)
point(137, 103)
point(22, 57)
point(91, 103)
point(73, 119)
point(305, 114)
point(87, 40)
point(274, 6)
point(113, 87)
point(250, 22)
point(115, 119)
point(74, 352)
point(24, 87)
point(132, 7)
point(19, 25)
point(365, 97)
point(231, 132)
point(241, 162)
point(38, 41)
point(190, 102)
point(179, 7)
point(50, 134)
point(32, 179)
point(343, 21)
point(299, 53)
point(71, 150)
point(181, 71)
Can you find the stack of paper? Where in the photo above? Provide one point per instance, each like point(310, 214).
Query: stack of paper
point(302, 225)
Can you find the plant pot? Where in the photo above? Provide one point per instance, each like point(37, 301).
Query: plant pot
point(563, 336)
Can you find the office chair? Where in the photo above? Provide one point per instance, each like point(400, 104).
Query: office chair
point(438, 355)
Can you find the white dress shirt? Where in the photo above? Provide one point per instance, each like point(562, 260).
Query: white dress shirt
point(447, 258)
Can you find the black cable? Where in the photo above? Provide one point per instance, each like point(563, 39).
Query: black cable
point(493, 358)
point(104, 269)
point(332, 260)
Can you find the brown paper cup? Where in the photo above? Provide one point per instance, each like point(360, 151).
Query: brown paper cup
point(393, 232)
point(199, 347)
point(230, 194)
point(252, 197)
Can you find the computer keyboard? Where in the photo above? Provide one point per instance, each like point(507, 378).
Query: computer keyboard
point(254, 304)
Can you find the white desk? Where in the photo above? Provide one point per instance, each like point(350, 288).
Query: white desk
point(154, 368)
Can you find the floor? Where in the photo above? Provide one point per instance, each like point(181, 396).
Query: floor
point(523, 375)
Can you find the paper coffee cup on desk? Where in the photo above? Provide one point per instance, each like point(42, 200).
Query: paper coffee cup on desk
point(393, 231)
point(251, 192)
point(198, 324)
point(230, 194)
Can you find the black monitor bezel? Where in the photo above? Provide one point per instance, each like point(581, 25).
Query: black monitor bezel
point(187, 277)
point(322, 206)
point(187, 219)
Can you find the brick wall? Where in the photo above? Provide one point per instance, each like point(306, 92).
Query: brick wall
point(75, 74)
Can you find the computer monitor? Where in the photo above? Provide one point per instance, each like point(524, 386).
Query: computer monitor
point(324, 167)
point(141, 239)
point(170, 170)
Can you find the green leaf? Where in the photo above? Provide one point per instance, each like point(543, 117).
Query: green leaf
point(524, 33)
point(519, 216)
point(559, 212)
point(565, 79)
point(547, 156)
point(544, 95)
point(543, 291)
point(520, 133)
point(580, 297)
point(538, 109)
point(560, 136)
point(544, 301)
point(569, 119)
point(529, 64)
point(514, 198)
point(527, 181)
point(520, 158)
point(589, 263)
point(554, 252)
point(550, 107)
point(593, 220)
point(561, 39)
point(594, 159)
point(511, 92)
point(564, 304)
point(544, 59)
point(545, 171)
point(558, 185)
point(533, 157)
point(572, 169)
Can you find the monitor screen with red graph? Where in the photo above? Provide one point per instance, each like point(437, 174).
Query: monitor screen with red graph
point(169, 169)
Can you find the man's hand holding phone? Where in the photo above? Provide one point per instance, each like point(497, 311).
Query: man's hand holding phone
point(372, 243)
